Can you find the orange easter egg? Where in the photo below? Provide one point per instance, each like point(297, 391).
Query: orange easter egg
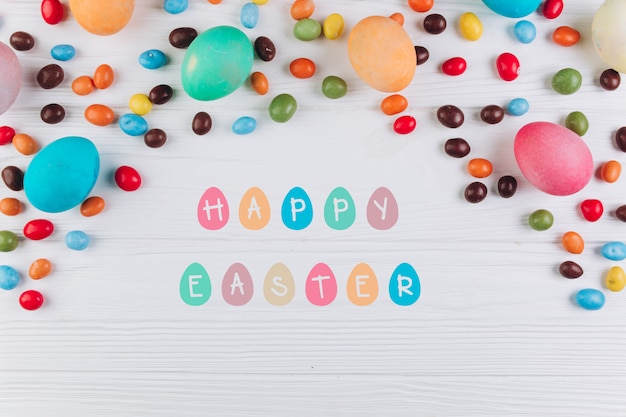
point(102, 17)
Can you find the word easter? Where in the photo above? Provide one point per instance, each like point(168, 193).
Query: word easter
point(320, 286)
point(297, 210)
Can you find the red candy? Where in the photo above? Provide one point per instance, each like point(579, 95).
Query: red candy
point(38, 229)
point(127, 178)
point(6, 134)
point(507, 65)
point(52, 11)
point(591, 209)
point(454, 66)
point(404, 125)
point(31, 300)
point(552, 8)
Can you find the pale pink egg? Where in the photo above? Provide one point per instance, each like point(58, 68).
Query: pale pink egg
point(10, 77)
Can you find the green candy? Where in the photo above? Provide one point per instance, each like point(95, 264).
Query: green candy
point(282, 108)
point(8, 241)
point(567, 81)
point(577, 122)
point(541, 220)
point(307, 29)
point(334, 87)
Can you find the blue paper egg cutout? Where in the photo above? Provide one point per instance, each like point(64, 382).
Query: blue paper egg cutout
point(513, 8)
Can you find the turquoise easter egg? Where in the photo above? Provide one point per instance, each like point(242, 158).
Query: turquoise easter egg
point(216, 63)
point(62, 174)
point(513, 8)
point(10, 77)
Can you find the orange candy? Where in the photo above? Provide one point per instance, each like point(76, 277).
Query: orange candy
point(610, 171)
point(103, 77)
point(302, 68)
point(92, 206)
point(82, 85)
point(215, 1)
point(259, 82)
point(40, 268)
point(398, 17)
point(10, 206)
point(573, 242)
point(99, 115)
point(565, 36)
point(394, 104)
point(302, 9)
point(479, 168)
point(25, 144)
point(421, 5)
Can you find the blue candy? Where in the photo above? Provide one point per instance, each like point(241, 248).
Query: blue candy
point(244, 125)
point(133, 125)
point(9, 277)
point(175, 6)
point(525, 31)
point(590, 299)
point(517, 106)
point(63, 52)
point(614, 251)
point(152, 59)
point(249, 15)
point(77, 240)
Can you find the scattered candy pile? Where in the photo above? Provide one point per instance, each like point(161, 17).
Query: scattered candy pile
point(218, 61)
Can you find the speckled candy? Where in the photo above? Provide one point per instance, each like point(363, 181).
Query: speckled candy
point(10, 77)
point(553, 158)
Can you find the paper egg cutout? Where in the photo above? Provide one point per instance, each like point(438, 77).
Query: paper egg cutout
point(62, 174)
point(608, 31)
point(10, 77)
point(553, 158)
point(513, 8)
point(102, 17)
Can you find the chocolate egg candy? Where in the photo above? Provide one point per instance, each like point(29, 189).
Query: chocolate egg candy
point(450, 116)
point(50, 76)
point(182, 37)
point(201, 123)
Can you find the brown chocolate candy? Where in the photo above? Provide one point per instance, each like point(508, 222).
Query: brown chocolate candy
point(570, 270)
point(507, 186)
point(264, 48)
point(435, 24)
point(182, 37)
point(52, 113)
point(450, 116)
point(610, 79)
point(457, 147)
point(475, 192)
point(161, 94)
point(13, 178)
point(202, 123)
point(421, 54)
point(492, 114)
point(155, 138)
point(22, 41)
point(50, 76)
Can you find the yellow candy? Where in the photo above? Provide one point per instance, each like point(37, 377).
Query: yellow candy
point(470, 26)
point(616, 279)
point(333, 26)
point(140, 104)
point(260, 2)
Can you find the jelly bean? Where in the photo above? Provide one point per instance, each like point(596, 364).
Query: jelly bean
point(63, 52)
point(7, 134)
point(249, 15)
point(10, 206)
point(302, 68)
point(565, 36)
point(244, 125)
point(50, 76)
point(175, 6)
point(31, 300)
point(567, 81)
point(570, 270)
point(614, 251)
point(152, 59)
point(611, 171)
point(83, 85)
point(508, 66)
point(435, 24)
point(394, 104)
point(507, 186)
point(52, 113)
point(264, 48)
point(8, 241)
point(620, 138)
point(215, 1)
point(161, 94)
point(13, 178)
point(552, 8)
point(333, 26)
point(475, 192)
point(133, 124)
point(92, 206)
point(421, 6)
point(615, 279)
point(577, 122)
point(620, 213)
point(140, 104)
point(450, 116)
point(479, 168)
point(457, 147)
point(398, 18)
point(307, 29)
point(259, 82)
point(492, 114)
point(541, 220)
point(52, 11)
point(610, 79)
point(573, 242)
point(201, 123)
point(518, 106)
point(404, 124)
point(260, 2)
point(421, 54)
point(525, 31)
point(155, 138)
point(127, 178)
point(282, 108)
point(182, 37)
point(103, 77)
point(99, 114)
point(590, 299)
point(39, 268)
point(22, 41)
point(334, 87)
point(9, 277)
point(591, 209)
point(25, 144)
point(454, 66)
point(470, 26)
point(302, 9)
point(77, 240)
point(38, 229)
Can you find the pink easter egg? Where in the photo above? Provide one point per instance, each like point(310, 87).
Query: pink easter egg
point(553, 158)
point(10, 77)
